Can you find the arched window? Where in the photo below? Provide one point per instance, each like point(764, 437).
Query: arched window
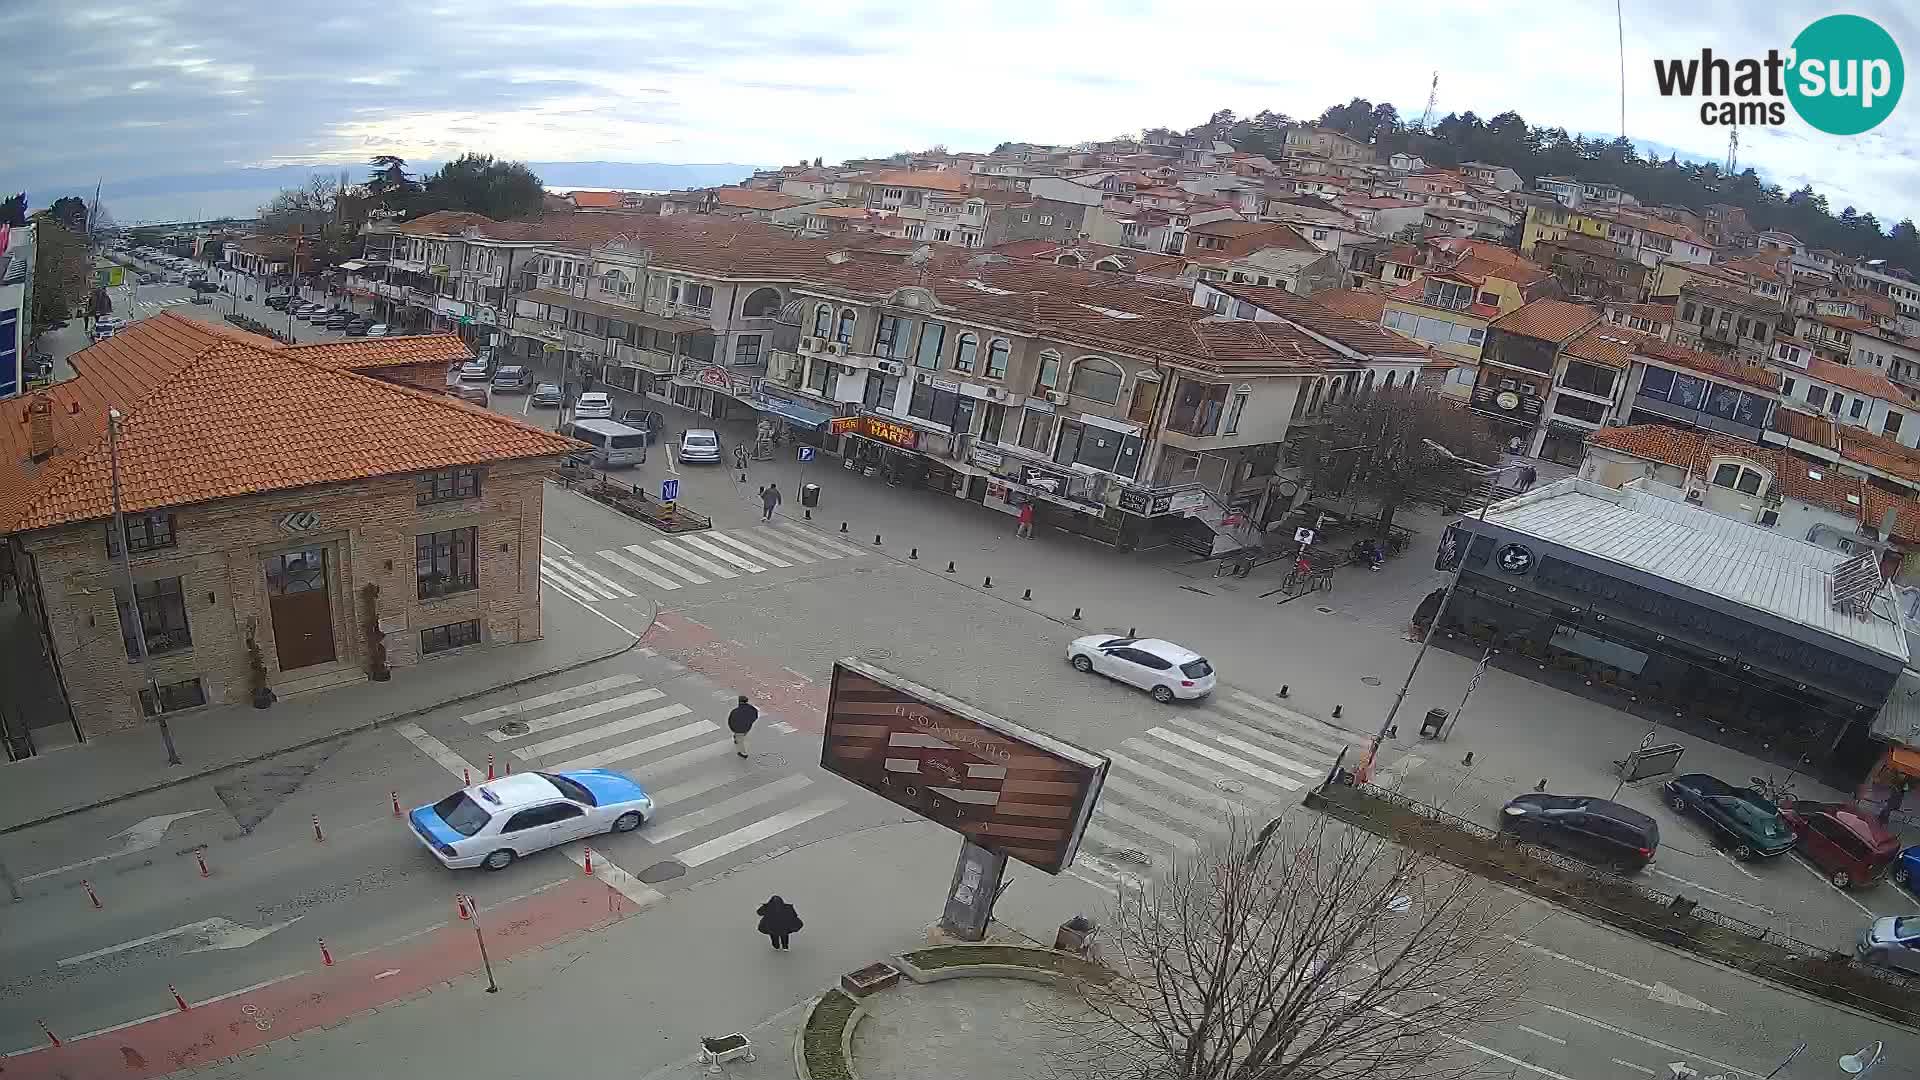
point(1098, 378)
point(1313, 405)
point(615, 282)
point(1110, 263)
point(761, 304)
point(1368, 388)
point(822, 321)
point(1067, 260)
point(1388, 385)
point(997, 358)
point(965, 351)
point(844, 332)
point(1048, 375)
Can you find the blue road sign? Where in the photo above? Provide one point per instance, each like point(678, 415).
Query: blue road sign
point(669, 490)
point(806, 454)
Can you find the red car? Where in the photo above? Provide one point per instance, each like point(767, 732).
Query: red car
point(1849, 846)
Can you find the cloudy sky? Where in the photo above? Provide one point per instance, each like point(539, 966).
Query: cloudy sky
point(151, 88)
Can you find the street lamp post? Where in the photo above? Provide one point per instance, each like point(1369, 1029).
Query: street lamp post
point(1426, 640)
point(114, 417)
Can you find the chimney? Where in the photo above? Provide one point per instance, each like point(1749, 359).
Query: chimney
point(40, 428)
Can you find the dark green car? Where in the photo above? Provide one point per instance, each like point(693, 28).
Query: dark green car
point(1741, 820)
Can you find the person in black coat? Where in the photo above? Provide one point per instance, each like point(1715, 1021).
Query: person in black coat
point(740, 722)
point(779, 921)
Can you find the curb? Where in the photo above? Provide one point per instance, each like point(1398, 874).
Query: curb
point(364, 726)
point(846, 1034)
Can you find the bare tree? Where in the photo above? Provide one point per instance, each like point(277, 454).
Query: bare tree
point(1306, 949)
point(1373, 446)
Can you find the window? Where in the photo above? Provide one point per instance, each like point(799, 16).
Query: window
point(1448, 294)
point(935, 406)
point(933, 336)
point(1834, 403)
point(761, 304)
point(1490, 299)
point(990, 424)
point(145, 532)
point(1048, 376)
point(964, 352)
point(1239, 405)
point(1097, 378)
point(1769, 518)
point(1893, 423)
point(171, 697)
point(746, 350)
point(451, 636)
point(893, 338)
point(843, 333)
point(1786, 388)
point(881, 390)
point(541, 816)
point(1046, 219)
point(1097, 448)
point(443, 562)
point(615, 282)
point(943, 235)
point(1859, 404)
point(1319, 234)
point(162, 614)
point(447, 485)
point(1591, 412)
point(997, 358)
point(1036, 430)
point(696, 296)
point(1588, 379)
point(1726, 475)
point(822, 321)
point(818, 374)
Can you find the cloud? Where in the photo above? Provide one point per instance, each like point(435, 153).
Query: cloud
point(167, 87)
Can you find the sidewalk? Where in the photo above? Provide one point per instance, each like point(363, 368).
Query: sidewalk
point(118, 766)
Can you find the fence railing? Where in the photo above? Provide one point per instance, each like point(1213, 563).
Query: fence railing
point(635, 502)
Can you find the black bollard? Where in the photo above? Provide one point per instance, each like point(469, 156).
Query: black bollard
point(809, 515)
point(1336, 711)
point(1028, 595)
point(1542, 785)
point(1393, 732)
point(1133, 631)
point(1076, 614)
point(843, 526)
point(1283, 690)
point(1468, 760)
point(876, 538)
point(988, 584)
point(949, 566)
point(914, 554)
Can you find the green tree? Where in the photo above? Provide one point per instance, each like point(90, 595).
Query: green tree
point(71, 211)
point(99, 304)
point(14, 210)
point(60, 272)
point(388, 184)
point(479, 184)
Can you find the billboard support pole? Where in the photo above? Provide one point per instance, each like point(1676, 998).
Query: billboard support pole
point(976, 885)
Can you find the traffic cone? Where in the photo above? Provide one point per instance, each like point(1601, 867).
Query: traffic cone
point(460, 905)
point(177, 999)
point(326, 956)
point(396, 804)
point(589, 862)
point(91, 895)
point(489, 767)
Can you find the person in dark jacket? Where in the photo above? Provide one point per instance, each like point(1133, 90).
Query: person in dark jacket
point(740, 721)
point(779, 921)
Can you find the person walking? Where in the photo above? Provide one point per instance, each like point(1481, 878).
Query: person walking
point(769, 501)
point(1026, 520)
point(740, 722)
point(779, 921)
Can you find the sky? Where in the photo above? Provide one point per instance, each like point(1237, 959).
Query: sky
point(151, 88)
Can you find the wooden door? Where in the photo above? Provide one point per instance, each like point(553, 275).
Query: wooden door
point(302, 613)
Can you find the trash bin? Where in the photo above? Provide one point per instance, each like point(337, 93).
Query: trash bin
point(1431, 727)
point(809, 495)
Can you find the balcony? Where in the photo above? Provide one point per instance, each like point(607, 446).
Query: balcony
point(590, 344)
point(653, 360)
point(541, 329)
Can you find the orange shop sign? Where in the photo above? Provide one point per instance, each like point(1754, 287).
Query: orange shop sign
point(889, 432)
point(844, 425)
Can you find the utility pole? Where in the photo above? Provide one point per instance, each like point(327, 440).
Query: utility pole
point(1433, 97)
point(114, 417)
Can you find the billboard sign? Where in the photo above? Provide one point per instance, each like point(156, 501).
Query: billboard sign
point(1011, 790)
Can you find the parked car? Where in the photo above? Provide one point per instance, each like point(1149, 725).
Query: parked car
point(473, 392)
point(1906, 868)
point(378, 329)
point(279, 303)
point(106, 326)
point(1891, 942)
point(647, 420)
point(546, 396)
point(700, 446)
point(593, 405)
point(473, 371)
point(339, 322)
point(1739, 819)
point(1850, 847)
point(1163, 669)
point(512, 379)
point(494, 823)
point(202, 285)
point(202, 298)
point(1597, 830)
point(358, 328)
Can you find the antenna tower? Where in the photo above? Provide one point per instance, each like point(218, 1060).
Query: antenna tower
point(1733, 152)
point(1433, 96)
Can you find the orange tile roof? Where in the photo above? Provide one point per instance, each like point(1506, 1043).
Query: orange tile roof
point(1754, 375)
point(1813, 482)
point(1879, 452)
point(1606, 344)
point(1859, 380)
point(213, 415)
point(1363, 337)
point(1739, 297)
point(927, 179)
point(1804, 427)
point(596, 200)
point(367, 353)
point(753, 199)
point(1353, 303)
point(1548, 320)
point(1650, 312)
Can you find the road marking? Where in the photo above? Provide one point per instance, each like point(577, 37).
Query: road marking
point(672, 466)
point(1657, 1044)
point(696, 559)
point(1829, 883)
point(1316, 737)
point(1187, 765)
point(571, 592)
point(647, 745)
point(214, 933)
point(639, 571)
point(1713, 891)
point(665, 564)
point(800, 534)
point(1733, 862)
point(1285, 783)
point(1541, 1034)
point(138, 837)
point(700, 854)
point(783, 727)
point(554, 573)
point(501, 712)
point(109, 1030)
point(603, 615)
point(697, 786)
point(602, 731)
point(1311, 772)
point(584, 712)
point(766, 537)
point(1631, 1065)
point(726, 808)
point(261, 985)
point(1199, 795)
point(606, 583)
point(564, 550)
point(744, 548)
point(1656, 991)
point(386, 974)
point(666, 766)
point(1140, 823)
point(711, 548)
point(1135, 793)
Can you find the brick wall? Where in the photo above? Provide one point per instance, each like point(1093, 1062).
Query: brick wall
point(367, 529)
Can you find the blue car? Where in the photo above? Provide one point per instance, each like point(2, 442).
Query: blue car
point(1906, 868)
point(494, 823)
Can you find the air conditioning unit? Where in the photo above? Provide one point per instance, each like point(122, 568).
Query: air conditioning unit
point(923, 376)
point(834, 348)
point(890, 367)
point(1056, 397)
point(1696, 494)
point(996, 393)
point(809, 344)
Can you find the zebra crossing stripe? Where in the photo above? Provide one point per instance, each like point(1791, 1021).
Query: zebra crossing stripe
point(1271, 758)
point(667, 766)
point(1111, 874)
point(1195, 746)
point(638, 571)
point(700, 561)
point(726, 808)
point(766, 538)
point(1331, 731)
point(597, 578)
point(559, 573)
point(602, 731)
point(1151, 749)
point(664, 564)
point(729, 843)
point(1140, 823)
point(744, 548)
point(1113, 841)
point(716, 550)
point(1135, 793)
point(1329, 741)
point(567, 589)
point(635, 749)
point(832, 549)
point(500, 712)
point(1193, 792)
point(699, 785)
point(584, 712)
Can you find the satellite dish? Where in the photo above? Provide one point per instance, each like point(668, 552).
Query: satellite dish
point(920, 255)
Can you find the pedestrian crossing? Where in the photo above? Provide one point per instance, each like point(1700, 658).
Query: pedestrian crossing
point(709, 803)
point(688, 559)
point(156, 305)
point(1170, 790)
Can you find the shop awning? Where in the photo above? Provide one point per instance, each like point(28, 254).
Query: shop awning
point(794, 412)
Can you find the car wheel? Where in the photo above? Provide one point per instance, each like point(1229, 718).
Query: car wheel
point(499, 860)
point(1163, 694)
point(1877, 957)
point(628, 821)
point(1083, 663)
point(1742, 852)
point(1679, 804)
point(1841, 879)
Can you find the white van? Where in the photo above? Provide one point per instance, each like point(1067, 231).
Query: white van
point(615, 446)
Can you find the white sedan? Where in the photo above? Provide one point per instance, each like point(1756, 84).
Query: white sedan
point(494, 823)
point(1163, 669)
point(593, 406)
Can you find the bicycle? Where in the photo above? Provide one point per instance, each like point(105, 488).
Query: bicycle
point(1777, 792)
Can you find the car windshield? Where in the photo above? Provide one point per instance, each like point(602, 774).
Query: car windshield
point(1759, 815)
point(1195, 669)
point(1114, 643)
point(462, 814)
point(700, 440)
point(572, 789)
point(1906, 926)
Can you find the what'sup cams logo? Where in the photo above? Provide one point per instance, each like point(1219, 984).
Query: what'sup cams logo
point(1843, 75)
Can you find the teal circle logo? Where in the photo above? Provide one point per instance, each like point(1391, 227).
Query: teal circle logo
point(1846, 75)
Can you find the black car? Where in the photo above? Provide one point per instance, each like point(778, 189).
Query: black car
point(339, 321)
point(279, 303)
point(647, 420)
point(1739, 819)
point(1594, 829)
point(358, 328)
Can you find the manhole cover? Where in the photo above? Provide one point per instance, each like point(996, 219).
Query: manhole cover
point(769, 761)
point(514, 727)
point(876, 654)
point(662, 871)
point(1231, 787)
point(1131, 855)
point(1324, 609)
point(1370, 680)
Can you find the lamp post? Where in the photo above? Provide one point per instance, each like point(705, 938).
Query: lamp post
point(1426, 640)
point(114, 417)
